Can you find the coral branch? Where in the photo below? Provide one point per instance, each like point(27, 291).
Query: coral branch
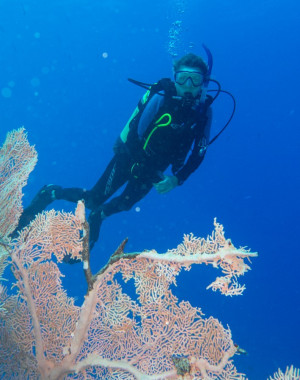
point(113, 333)
point(117, 333)
point(17, 160)
point(291, 373)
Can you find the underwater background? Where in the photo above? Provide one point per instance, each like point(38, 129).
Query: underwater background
point(63, 75)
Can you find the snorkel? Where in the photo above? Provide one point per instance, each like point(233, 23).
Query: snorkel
point(207, 76)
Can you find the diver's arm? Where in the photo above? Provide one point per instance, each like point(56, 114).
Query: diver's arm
point(131, 139)
point(198, 153)
point(149, 114)
point(141, 166)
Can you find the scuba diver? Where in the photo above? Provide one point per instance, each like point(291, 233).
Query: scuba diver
point(169, 127)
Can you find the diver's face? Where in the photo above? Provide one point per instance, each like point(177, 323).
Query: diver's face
point(188, 80)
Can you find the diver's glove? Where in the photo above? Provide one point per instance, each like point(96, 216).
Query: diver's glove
point(167, 184)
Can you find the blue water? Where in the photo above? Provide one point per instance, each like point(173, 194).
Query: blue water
point(63, 75)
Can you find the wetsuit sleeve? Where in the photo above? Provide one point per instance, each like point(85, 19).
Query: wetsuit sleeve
point(198, 152)
point(141, 167)
point(149, 113)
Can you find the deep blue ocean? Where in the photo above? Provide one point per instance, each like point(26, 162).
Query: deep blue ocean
point(63, 75)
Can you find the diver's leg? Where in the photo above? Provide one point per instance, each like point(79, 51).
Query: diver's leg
point(95, 220)
point(115, 175)
point(43, 198)
point(133, 192)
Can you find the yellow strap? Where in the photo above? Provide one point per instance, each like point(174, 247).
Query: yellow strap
point(157, 125)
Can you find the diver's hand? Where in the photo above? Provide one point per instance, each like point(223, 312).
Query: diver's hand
point(166, 185)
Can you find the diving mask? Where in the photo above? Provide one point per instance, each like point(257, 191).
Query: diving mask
point(196, 77)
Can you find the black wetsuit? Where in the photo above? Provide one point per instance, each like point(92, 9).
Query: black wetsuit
point(165, 133)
